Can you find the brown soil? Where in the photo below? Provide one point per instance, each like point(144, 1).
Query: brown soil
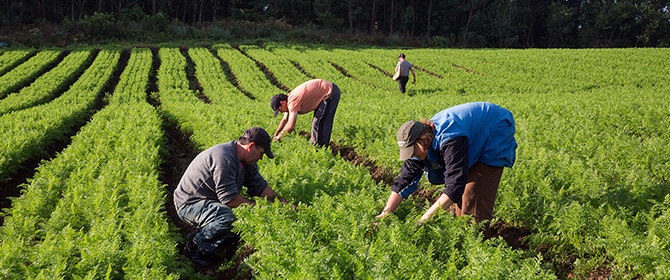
point(231, 77)
point(602, 272)
point(388, 74)
point(194, 84)
point(346, 74)
point(513, 236)
point(268, 74)
point(466, 69)
point(379, 173)
point(302, 69)
point(426, 71)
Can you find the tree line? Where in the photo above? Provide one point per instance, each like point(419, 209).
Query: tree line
point(447, 23)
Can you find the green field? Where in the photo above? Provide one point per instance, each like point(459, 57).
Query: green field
point(588, 196)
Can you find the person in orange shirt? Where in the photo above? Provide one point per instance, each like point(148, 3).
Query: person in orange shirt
point(316, 95)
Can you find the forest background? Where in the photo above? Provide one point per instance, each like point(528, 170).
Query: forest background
point(412, 23)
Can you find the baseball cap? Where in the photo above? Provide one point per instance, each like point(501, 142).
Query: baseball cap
point(275, 102)
point(261, 138)
point(401, 55)
point(407, 135)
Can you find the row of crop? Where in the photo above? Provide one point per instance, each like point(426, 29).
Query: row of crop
point(26, 133)
point(446, 72)
point(627, 179)
point(134, 81)
point(330, 235)
point(291, 75)
point(48, 85)
point(248, 75)
point(217, 88)
point(10, 59)
point(27, 71)
point(541, 71)
point(366, 67)
point(94, 211)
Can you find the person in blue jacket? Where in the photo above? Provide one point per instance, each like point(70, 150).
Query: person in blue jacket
point(464, 147)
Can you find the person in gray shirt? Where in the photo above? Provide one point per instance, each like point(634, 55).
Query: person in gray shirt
point(210, 188)
point(405, 68)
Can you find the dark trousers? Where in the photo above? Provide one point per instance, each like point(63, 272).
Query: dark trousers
point(480, 192)
point(324, 115)
point(402, 83)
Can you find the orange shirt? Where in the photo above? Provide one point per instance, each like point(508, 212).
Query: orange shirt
point(307, 96)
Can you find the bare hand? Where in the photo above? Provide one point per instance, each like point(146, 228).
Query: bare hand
point(381, 215)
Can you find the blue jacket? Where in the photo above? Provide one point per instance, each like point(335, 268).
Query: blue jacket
point(464, 134)
point(488, 127)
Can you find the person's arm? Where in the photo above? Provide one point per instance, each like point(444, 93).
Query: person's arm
point(444, 202)
point(391, 204)
point(269, 194)
point(412, 70)
point(454, 153)
point(239, 200)
point(409, 171)
point(281, 125)
point(288, 126)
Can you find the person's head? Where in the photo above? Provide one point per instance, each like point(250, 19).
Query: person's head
point(256, 142)
point(414, 139)
point(278, 103)
point(401, 56)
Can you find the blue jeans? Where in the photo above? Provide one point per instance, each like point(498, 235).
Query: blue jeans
point(434, 176)
point(214, 220)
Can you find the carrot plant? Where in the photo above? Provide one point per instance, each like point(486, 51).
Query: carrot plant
point(22, 74)
point(9, 59)
point(134, 80)
point(589, 183)
point(95, 210)
point(26, 132)
point(46, 86)
point(249, 75)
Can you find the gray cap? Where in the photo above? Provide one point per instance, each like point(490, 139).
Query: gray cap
point(407, 135)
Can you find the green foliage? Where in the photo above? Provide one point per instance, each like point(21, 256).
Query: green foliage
point(25, 132)
point(46, 86)
point(95, 210)
point(440, 42)
point(589, 183)
point(27, 71)
point(100, 27)
point(134, 80)
point(9, 59)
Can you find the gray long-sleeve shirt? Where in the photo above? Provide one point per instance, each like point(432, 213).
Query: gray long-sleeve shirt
point(217, 174)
